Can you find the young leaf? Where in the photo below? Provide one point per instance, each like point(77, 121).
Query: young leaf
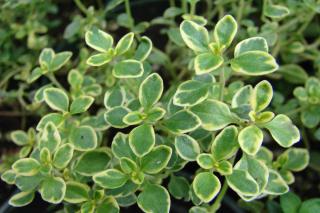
point(250, 139)
point(115, 97)
point(290, 202)
point(142, 139)
point(224, 167)
point(115, 116)
point(63, 156)
point(133, 118)
point(144, 49)
point(100, 59)
point(120, 146)
point(21, 199)
point(92, 162)
point(108, 205)
point(150, 90)
point(214, 115)
point(242, 97)
point(256, 169)
point(53, 189)
point(293, 73)
point(205, 161)
point(195, 36)
point(254, 63)
point(9, 176)
point(28, 183)
point(50, 137)
point(99, 40)
point(19, 137)
point(76, 192)
point(178, 187)
point(124, 44)
point(35, 74)
point(155, 199)
point(127, 165)
point(156, 160)
point(88, 207)
point(262, 95)
point(275, 11)
point(75, 78)
point(310, 206)
point(59, 60)
point(225, 144)
point(206, 186)
point(83, 138)
point(26, 166)
point(191, 93)
point(187, 147)
point(57, 99)
point(276, 185)
point(251, 44)
point(296, 159)
point(45, 156)
point(81, 104)
point(155, 114)
point(182, 122)
point(56, 118)
point(128, 69)
point(225, 31)
point(207, 62)
point(110, 179)
point(45, 58)
point(242, 183)
point(283, 131)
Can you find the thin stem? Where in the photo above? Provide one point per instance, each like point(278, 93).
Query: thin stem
point(217, 203)
point(276, 49)
point(222, 84)
point(305, 138)
point(7, 77)
point(193, 9)
point(128, 11)
point(55, 81)
point(81, 7)
point(295, 111)
point(240, 11)
point(184, 6)
point(288, 25)
point(306, 24)
point(172, 3)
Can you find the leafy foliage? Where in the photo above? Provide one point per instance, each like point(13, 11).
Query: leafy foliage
point(120, 117)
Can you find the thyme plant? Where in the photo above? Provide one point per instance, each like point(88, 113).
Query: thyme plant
point(120, 131)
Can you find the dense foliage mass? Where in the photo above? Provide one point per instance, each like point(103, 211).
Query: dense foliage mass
point(229, 102)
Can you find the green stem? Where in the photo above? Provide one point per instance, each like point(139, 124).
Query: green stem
point(240, 11)
point(184, 6)
point(305, 138)
point(192, 9)
point(172, 3)
point(81, 7)
point(288, 25)
point(128, 11)
point(7, 77)
point(217, 203)
point(276, 49)
point(55, 81)
point(222, 84)
point(306, 23)
point(295, 111)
